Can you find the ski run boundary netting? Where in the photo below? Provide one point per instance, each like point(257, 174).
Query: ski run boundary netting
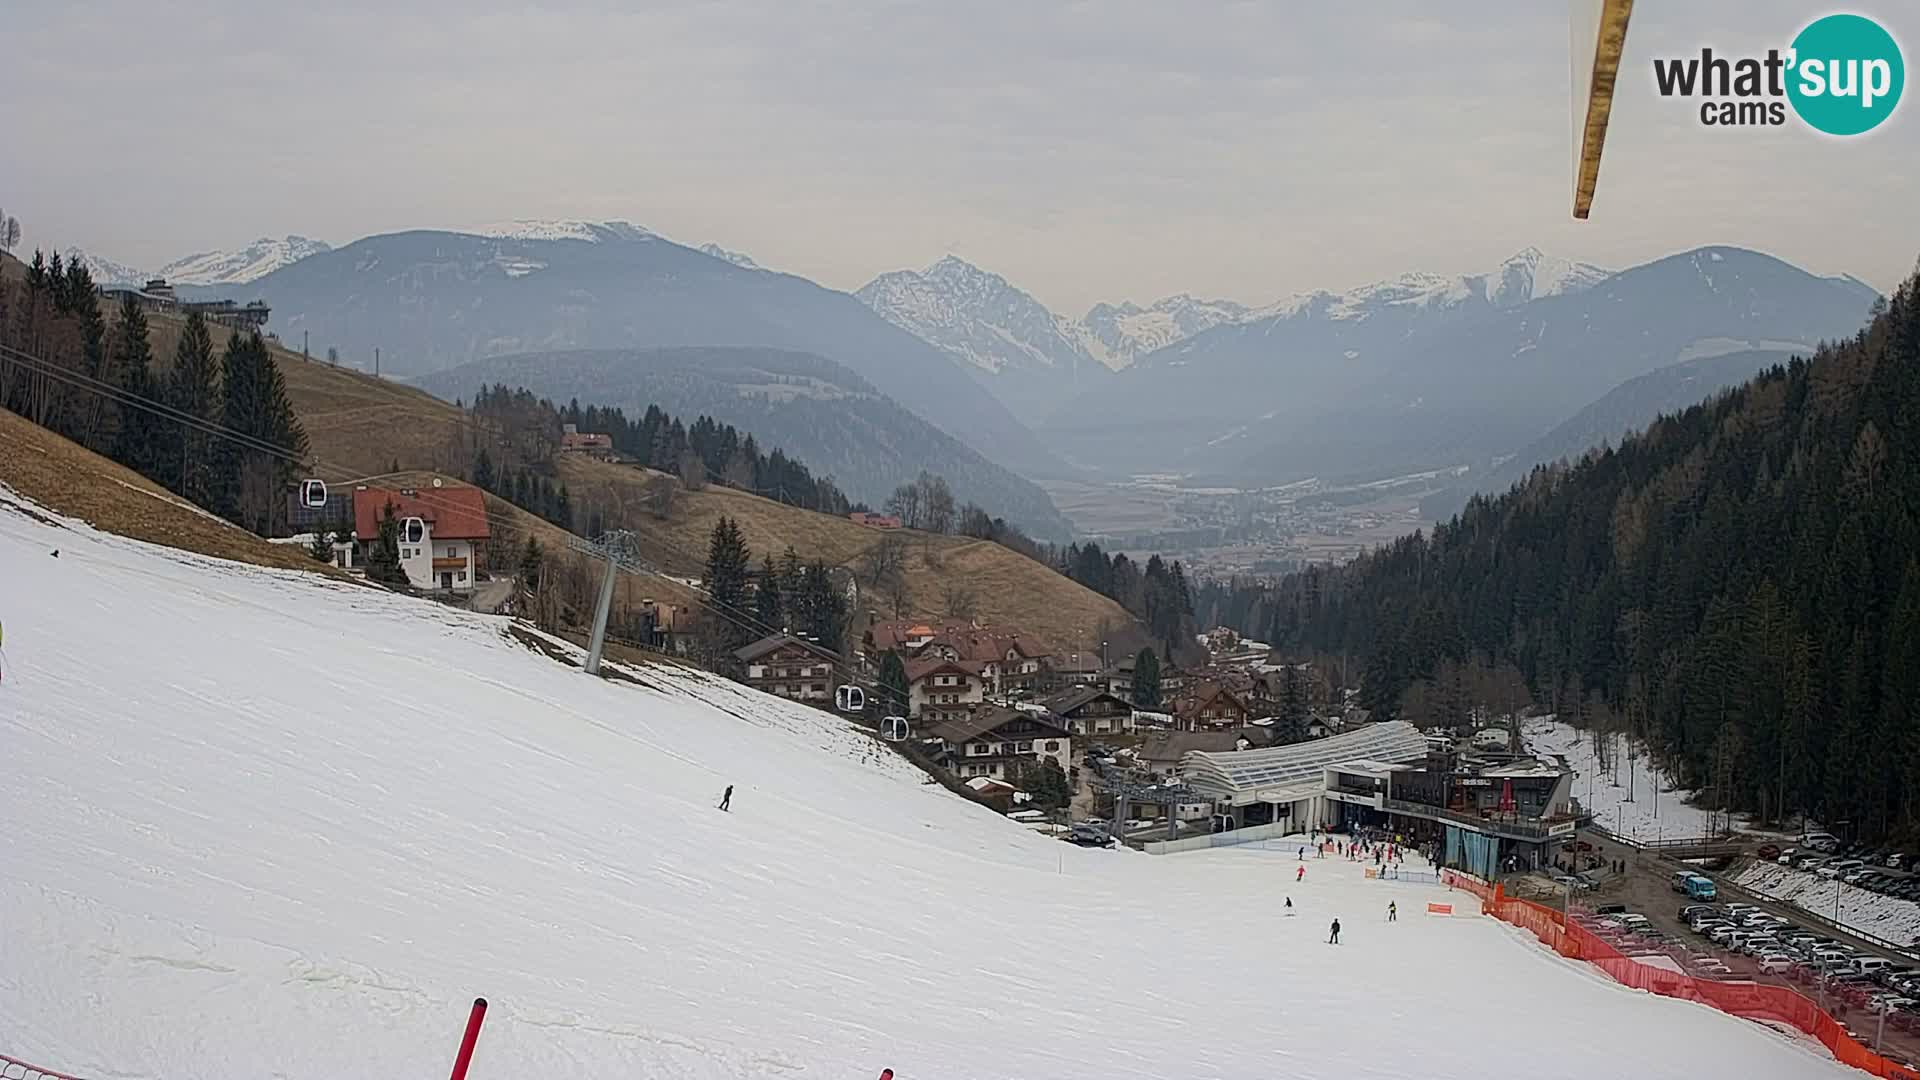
point(1752, 1001)
point(15, 1069)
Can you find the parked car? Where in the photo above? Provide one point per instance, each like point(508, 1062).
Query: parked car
point(1769, 851)
point(1820, 841)
point(1776, 963)
point(1090, 834)
point(1871, 965)
point(1898, 861)
point(1833, 870)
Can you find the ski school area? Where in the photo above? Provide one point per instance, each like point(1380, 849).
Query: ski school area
point(261, 823)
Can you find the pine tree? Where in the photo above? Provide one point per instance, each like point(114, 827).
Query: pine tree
point(531, 560)
point(823, 608)
point(131, 362)
point(483, 470)
point(790, 579)
point(767, 605)
point(1293, 700)
point(252, 476)
point(1146, 679)
point(726, 587)
point(893, 684)
point(322, 546)
point(383, 555)
point(193, 388)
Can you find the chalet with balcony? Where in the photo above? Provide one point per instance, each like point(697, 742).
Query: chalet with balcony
point(995, 742)
point(789, 667)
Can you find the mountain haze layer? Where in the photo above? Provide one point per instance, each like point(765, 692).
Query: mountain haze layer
point(1426, 371)
point(432, 300)
point(1032, 359)
point(818, 411)
point(236, 266)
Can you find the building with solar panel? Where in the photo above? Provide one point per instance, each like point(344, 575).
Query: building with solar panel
point(1486, 814)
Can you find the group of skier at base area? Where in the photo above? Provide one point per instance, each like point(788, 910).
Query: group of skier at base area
point(1383, 852)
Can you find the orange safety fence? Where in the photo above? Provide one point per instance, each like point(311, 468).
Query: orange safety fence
point(1750, 1000)
point(1460, 879)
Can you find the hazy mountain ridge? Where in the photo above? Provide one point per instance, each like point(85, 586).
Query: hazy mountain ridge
point(1029, 357)
point(1036, 360)
point(1626, 409)
point(233, 266)
point(432, 300)
point(835, 422)
point(1424, 372)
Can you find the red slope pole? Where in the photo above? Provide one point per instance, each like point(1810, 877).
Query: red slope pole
point(472, 1036)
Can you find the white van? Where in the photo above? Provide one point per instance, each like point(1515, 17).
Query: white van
point(1820, 841)
point(1869, 965)
point(1832, 957)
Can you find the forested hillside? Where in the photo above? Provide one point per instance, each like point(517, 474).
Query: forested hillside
point(1740, 584)
point(813, 408)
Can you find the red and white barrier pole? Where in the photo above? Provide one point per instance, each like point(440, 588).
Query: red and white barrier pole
point(472, 1036)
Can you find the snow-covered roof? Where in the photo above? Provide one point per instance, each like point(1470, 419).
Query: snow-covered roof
point(1235, 771)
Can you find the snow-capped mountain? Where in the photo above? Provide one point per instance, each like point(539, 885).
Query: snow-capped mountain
point(239, 266)
point(561, 229)
point(1529, 275)
point(232, 267)
point(1032, 358)
point(1426, 371)
point(105, 271)
point(975, 314)
point(744, 262)
point(1117, 335)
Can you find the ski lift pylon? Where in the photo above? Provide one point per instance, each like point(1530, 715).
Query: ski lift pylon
point(850, 699)
point(313, 493)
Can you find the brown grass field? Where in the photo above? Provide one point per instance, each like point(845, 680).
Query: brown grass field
point(64, 476)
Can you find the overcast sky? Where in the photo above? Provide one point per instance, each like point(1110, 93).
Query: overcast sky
point(1089, 151)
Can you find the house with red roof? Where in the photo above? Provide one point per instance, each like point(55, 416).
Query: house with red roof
point(442, 532)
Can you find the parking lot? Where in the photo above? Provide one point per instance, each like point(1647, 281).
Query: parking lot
point(1745, 937)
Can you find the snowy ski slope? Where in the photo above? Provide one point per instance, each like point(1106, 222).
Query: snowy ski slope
point(260, 825)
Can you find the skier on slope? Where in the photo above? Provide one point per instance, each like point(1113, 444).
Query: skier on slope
point(1303, 853)
point(1289, 905)
point(726, 798)
point(1334, 937)
point(1302, 875)
point(1393, 911)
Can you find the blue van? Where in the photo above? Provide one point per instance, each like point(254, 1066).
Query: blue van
point(1702, 889)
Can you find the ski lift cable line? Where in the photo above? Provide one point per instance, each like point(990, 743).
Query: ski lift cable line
point(310, 462)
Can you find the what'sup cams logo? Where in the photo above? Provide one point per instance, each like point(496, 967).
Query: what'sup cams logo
point(1842, 76)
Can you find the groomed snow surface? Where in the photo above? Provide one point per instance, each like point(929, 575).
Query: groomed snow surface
point(257, 824)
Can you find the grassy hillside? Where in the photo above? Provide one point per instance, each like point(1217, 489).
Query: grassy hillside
point(64, 476)
point(359, 426)
point(1008, 588)
point(819, 411)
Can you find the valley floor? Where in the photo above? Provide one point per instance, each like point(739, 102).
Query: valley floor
point(260, 823)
